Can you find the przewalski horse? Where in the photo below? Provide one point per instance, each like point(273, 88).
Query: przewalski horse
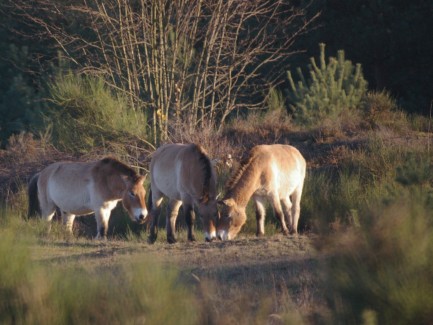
point(81, 188)
point(275, 172)
point(184, 174)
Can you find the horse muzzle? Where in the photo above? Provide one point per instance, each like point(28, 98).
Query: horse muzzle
point(223, 235)
point(209, 237)
point(141, 217)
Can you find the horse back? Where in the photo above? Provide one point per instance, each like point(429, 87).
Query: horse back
point(197, 173)
point(66, 175)
point(179, 170)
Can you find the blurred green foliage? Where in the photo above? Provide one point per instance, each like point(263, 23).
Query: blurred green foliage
point(136, 292)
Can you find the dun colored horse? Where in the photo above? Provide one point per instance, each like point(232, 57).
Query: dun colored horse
point(81, 188)
point(184, 174)
point(275, 172)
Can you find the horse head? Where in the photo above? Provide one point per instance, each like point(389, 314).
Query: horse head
point(231, 220)
point(209, 214)
point(134, 199)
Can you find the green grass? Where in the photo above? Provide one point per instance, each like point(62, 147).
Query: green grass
point(134, 292)
point(61, 279)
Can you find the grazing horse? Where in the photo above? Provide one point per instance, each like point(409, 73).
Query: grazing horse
point(81, 188)
point(184, 174)
point(275, 172)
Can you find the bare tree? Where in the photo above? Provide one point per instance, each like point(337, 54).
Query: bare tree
point(182, 62)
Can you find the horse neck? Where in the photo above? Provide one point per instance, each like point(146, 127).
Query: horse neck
point(246, 185)
point(204, 165)
point(114, 183)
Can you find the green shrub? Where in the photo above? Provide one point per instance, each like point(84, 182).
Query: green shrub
point(332, 199)
point(275, 100)
point(382, 271)
point(89, 114)
point(379, 267)
point(330, 89)
point(365, 177)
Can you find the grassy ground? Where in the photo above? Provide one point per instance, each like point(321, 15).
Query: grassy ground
point(362, 256)
point(246, 281)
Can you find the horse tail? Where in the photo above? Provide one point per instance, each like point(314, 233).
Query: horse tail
point(207, 169)
point(34, 207)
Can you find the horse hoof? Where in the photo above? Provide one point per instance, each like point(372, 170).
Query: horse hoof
point(192, 238)
point(171, 240)
point(151, 239)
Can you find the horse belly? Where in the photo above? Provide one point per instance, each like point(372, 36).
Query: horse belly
point(284, 182)
point(289, 183)
point(263, 192)
point(74, 202)
point(167, 185)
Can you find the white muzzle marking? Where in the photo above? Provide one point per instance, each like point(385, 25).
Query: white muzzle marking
point(210, 236)
point(223, 234)
point(138, 212)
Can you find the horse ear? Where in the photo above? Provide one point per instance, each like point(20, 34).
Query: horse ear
point(142, 178)
point(227, 202)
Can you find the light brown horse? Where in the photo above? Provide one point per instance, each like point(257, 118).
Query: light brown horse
point(184, 174)
point(275, 172)
point(81, 188)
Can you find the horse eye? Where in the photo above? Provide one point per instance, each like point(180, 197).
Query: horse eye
point(131, 194)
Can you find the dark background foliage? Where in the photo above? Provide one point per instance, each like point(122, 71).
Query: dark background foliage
point(390, 38)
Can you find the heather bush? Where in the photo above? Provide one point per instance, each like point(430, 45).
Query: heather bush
point(380, 109)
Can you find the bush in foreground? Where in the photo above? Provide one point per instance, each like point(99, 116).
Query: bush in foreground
point(133, 293)
point(380, 270)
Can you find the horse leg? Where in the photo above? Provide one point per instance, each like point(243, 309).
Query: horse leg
point(102, 216)
point(286, 204)
point(260, 215)
point(170, 224)
point(190, 219)
point(48, 210)
point(279, 214)
point(68, 220)
point(154, 216)
point(296, 208)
